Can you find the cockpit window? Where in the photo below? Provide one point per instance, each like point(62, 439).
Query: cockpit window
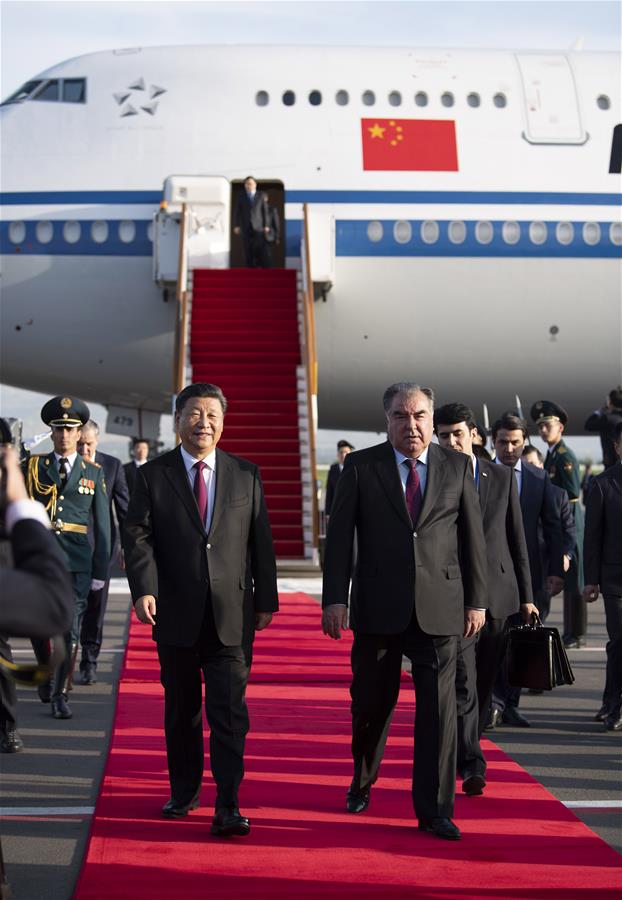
point(24, 92)
point(54, 90)
point(49, 91)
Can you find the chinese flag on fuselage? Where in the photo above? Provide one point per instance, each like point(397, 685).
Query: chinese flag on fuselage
point(409, 145)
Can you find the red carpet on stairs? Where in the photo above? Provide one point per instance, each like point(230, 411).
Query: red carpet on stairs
point(518, 841)
point(244, 337)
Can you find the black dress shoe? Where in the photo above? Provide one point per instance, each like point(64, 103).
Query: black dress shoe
point(494, 720)
point(443, 828)
point(603, 714)
point(571, 642)
point(613, 722)
point(228, 821)
point(61, 709)
point(174, 810)
point(45, 691)
point(473, 784)
point(88, 676)
point(511, 716)
point(357, 801)
point(10, 741)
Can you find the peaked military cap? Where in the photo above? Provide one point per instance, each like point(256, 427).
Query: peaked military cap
point(547, 409)
point(65, 411)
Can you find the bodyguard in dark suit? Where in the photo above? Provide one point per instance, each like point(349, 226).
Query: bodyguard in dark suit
point(509, 589)
point(419, 582)
point(604, 421)
point(540, 519)
point(140, 455)
point(603, 574)
point(252, 220)
point(118, 499)
point(334, 473)
point(201, 568)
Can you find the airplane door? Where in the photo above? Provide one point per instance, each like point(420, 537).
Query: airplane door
point(276, 199)
point(552, 112)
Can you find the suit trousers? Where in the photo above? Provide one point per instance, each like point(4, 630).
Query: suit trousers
point(612, 696)
point(225, 671)
point(91, 631)
point(575, 607)
point(471, 760)
point(490, 654)
point(376, 669)
point(256, 250)
point(81, 582)
point(8, 691)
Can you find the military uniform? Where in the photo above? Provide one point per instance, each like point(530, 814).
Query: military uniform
point(563, 469)
point(72, 505)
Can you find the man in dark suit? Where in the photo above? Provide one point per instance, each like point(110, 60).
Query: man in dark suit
point(118, 498)
point(343, 448)
point(201, 568)
point(509, 589)
point(252, 220)
point(140, 455)
point(418, 583)
point(604, 421)
point(603, 572)
point(540, 519)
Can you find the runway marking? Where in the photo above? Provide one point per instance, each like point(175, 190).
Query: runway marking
point(28, 811)
point(592, 804)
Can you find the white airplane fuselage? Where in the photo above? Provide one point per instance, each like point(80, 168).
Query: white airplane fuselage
point(501, 276)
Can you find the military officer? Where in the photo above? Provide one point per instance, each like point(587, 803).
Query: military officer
point(73, 490)
point(563, 468)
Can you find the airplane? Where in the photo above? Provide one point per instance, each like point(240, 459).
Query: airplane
point(473, 199)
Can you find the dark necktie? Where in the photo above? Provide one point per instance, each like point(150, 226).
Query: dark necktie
point(62, 469)
point(200, 489)
point(413, 490)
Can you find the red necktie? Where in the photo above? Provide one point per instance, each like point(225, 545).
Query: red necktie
point(200, 489)
point(413, 490)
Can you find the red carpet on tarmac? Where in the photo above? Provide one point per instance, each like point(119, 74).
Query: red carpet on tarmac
point(518, 840)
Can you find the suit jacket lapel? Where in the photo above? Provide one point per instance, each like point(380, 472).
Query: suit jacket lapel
point(178, 477)
point(434, 481)
point(386, 469)
point(525, 488)
point(484, 483)
point(224, 482)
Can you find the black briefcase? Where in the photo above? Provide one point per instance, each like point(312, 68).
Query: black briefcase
point(537, 658)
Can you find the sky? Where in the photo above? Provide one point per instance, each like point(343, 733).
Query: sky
point(67, 29)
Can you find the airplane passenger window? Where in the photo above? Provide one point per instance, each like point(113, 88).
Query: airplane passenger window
point(289, 98)
point(421, 98)
point(564, 232)
point(483, 232)
point(457, 232)
point(127, 231)
point(72, 231)
point(262, 98)
point(23, 92)
point(538, 232)
point(402, 232)
point(368, 98)
point(74, 90)
point(99, 231)
point(315, 98)
point(511, 232)
point(395, 98)
point(44, 232)
point(615, 233)
point(342, 98)
point(375, 232)
point(150, 232)
point(603, 101)
point(48, 92)
point(429, 232)
point(591, 233)
point(447, 99)
point(17, 232)
point(473, 100)
point(500, 100)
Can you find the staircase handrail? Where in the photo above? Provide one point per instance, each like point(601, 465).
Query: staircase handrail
point(310, 361)
point(182, 303)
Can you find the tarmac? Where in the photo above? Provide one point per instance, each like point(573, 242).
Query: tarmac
point(49, 790)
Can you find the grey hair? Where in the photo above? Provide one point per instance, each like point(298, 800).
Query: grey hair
point(91, 425)
point(405, 387)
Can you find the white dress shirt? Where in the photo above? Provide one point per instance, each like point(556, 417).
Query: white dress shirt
point(25, 509)
point(70, 461)
point(209, 476)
